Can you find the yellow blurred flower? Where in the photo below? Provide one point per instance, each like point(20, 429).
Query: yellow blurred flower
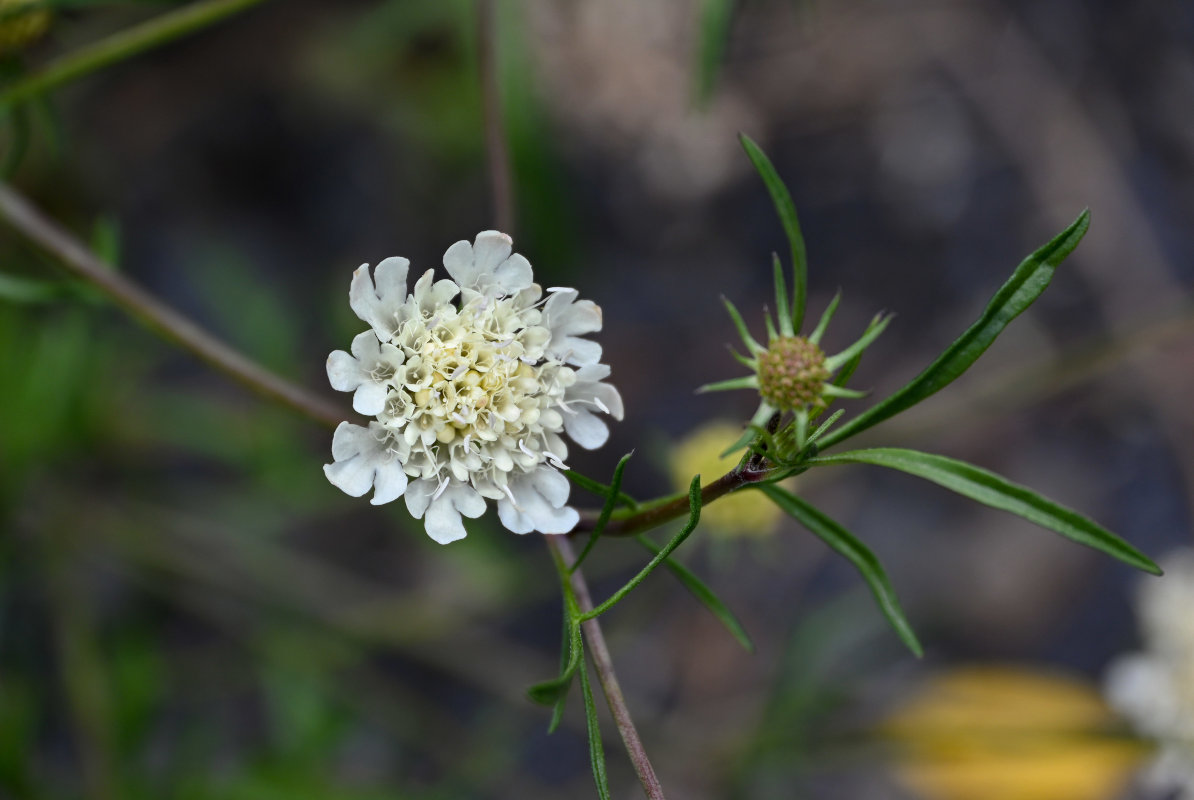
point(739, 514)
point(22, 22)
point(988, 733)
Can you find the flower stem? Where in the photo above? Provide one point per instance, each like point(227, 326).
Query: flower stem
point(123, 45)
point(562, 550)
point(654, 515)
point(156, 315)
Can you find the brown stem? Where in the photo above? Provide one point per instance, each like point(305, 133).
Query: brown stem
point(604, 665)
point(672, 509)
point(496, 148)
point(156, 315)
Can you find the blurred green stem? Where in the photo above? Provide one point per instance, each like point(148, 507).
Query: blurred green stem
point(121, 46)
point(156, 315)
point(82, 667)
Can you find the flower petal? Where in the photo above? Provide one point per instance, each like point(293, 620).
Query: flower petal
point(360, 454)
point(586, 429)
point(490, 249)
point(344, 371)
point(538, 503)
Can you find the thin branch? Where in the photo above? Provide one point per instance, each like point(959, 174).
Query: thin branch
point(158, 316)
point(678, 506)
point(120, 46)
point(496, 148)
point(606, 676)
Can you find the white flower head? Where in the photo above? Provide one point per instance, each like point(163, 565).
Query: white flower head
point(1154, 688)
point(472, 382)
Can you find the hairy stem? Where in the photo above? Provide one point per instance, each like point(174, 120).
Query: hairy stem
point(156, 315)
point(123, 45)
point(605, 673)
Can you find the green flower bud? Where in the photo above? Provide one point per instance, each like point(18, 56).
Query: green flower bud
point(792, 373)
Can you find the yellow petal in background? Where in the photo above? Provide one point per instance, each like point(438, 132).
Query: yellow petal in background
point(988, 733)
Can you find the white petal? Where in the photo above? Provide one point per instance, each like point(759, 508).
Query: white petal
point(370, 398)
point(349, 439)
point(443, 515)
point(389, 483)
point(514, 274)
point(418, 496)
point(608, 395)
point(365, 346)
point(538, 498)
point(353, 476)
point(586, 429)
point(490, 249)
point(344, 371)
point(390, 278)
point(576, 351)
point(459, 262)
point(554, 487)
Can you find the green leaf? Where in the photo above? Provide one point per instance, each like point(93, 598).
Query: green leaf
point(1021, 290)
point(857, 553)
point(596, 749)
point(745, 382)
point(853, 351)
point(598, 488)
point(706, 595)
point(753, 428)
point(549, 693)
point(791, 224)
point(694, 516)
point(740, 324)
point(992, 490)
point(782, 308)
point(611, 500)
point(826, 316)
point(714, 33)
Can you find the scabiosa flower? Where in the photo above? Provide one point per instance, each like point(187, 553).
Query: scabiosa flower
point(472, 381)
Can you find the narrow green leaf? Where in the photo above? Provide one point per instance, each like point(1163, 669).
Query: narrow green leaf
point(694, 516)
point(702, 592)
point(791, 224)
point(740, 325)
point(598, 488)
point(596, 749)
point(745, 382)
point(714, 33)
point(783, 308)
point(846, 544)
point(833, 390)
point(611, 500)
point(824, 426)
point(569, 643)
point(853, 351)
point(992, 490)
point(1021, 290)
point(826, 316)
point(550, 693)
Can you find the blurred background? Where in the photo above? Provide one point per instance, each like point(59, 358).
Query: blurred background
point(188, 609)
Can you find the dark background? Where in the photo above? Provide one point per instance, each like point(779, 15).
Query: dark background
point(188, 609)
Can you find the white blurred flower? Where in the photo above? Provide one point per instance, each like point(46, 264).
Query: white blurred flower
point(472, 381)
point(1154, 689)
